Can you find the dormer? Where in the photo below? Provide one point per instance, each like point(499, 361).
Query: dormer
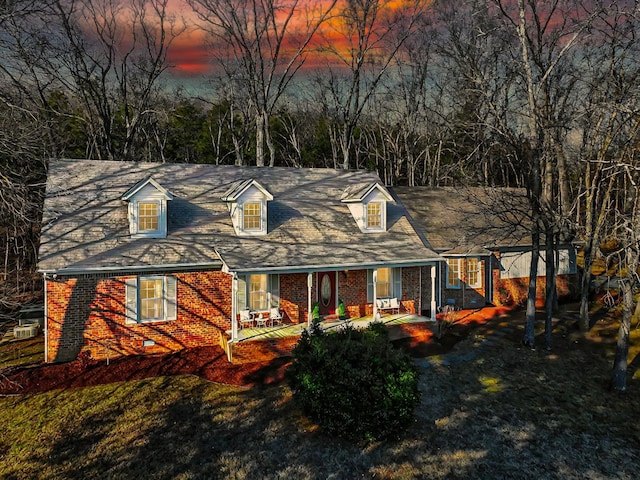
point(368, 205)
point(247, 204)
point(147, 209)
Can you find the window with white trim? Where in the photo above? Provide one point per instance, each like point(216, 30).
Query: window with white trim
point(259, 292)
point(473, 273)
point(151, 299)
point(148, 217)
point(374, 215)
point(453, 273)
point(389, 283)
point(252, 216)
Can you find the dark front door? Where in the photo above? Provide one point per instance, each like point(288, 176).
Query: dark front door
point(327, 292)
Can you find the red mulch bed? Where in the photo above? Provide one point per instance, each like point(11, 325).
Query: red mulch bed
point(209, 363)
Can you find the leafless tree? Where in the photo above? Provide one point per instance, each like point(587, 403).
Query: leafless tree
point(361, 45)
point(610, 126)
point(261, 45)
point(107, 55)
point(547, 35)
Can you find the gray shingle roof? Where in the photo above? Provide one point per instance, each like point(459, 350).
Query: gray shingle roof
point(85, 225)
point(468, 221)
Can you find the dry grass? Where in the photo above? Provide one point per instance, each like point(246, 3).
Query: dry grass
point(506, 413)
point(15, 352)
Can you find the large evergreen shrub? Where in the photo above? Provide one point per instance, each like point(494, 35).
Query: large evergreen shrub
point(354, 383)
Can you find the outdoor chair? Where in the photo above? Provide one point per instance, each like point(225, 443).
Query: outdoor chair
point(245, 317)
point(394, 305)
point(275, 316)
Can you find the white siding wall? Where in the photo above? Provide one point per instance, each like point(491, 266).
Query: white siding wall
point(517, 264)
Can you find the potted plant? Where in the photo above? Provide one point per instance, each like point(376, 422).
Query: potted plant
point(342, 314)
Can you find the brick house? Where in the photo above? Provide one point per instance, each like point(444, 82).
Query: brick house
point(484, 236)
point(151, 258)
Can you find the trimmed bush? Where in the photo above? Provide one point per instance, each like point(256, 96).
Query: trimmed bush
point(354, 383)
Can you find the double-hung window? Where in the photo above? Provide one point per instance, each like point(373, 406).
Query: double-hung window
point(252, 216)
point(258, 292)
point(151, 299)
point(148, 217)
point(473, 273)
point(453, 273)
point(388, 285)
point(374, 215)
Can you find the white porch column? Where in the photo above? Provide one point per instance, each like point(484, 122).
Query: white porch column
point(309, 285)
point(433, 292)
point(234, 307)
point(375, 293)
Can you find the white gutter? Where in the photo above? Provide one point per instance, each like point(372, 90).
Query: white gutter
point(140, 268)
point(336, 267)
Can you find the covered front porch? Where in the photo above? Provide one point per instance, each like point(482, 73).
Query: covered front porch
point(273, 305)
point(268, 342)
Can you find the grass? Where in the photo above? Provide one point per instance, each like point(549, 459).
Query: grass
point(15, 352)
point(508, 413)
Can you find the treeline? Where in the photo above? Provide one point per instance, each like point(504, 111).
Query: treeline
point(538, 94)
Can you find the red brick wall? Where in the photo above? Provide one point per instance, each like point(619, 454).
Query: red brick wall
point(86, 316)
point(293, 297)
point(514, 291)
point(465, 296)
point(411, 290)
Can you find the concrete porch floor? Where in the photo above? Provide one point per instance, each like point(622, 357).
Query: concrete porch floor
point(295, 330)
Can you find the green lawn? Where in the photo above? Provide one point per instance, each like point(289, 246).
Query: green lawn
point(504, 412)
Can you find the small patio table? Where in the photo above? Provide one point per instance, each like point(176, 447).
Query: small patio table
point(260, 319)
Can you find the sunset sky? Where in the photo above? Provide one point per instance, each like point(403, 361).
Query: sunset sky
point(189, 53)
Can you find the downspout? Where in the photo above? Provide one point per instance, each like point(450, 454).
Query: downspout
point(489, 277)
point(439, 283)
point(46, 321)
point(433, 293)
point(419, 311)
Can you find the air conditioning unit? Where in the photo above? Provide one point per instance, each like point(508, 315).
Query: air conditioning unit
point(28, 322)
point(28, 331)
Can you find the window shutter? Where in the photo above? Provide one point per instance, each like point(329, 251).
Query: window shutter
point(397, 282)
point(171, 298)
point(133, 217)
point(242, 293)
point(369, 285)
point(274, 288)
point(131, 288)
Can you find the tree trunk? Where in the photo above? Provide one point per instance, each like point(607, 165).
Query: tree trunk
point(550, 288)
point(259, 140)
point(529, 330)
point(619, 376)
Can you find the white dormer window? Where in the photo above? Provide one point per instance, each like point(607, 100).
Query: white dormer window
point(148, 217)
point(247, 201)
point(374, 215)
point(148, 209)
point(251, 216)
point(368, 205)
